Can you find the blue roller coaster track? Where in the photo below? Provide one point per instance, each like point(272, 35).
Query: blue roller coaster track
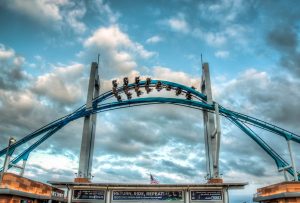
point(198, 101)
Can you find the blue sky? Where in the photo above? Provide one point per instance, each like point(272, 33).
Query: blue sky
point(46, 48)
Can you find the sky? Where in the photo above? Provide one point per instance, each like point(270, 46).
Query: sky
point(252, 47)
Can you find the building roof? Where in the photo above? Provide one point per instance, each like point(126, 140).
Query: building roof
point(140, 186)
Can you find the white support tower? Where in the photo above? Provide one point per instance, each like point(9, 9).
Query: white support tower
point(89, 126)
point(212, 130)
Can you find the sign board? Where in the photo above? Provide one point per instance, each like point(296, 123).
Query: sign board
point(57, 194)
point(88, 194)
point(147, 195)
point(206, 195)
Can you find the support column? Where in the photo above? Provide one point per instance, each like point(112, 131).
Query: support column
point(6, 163)
point(211, 128)
point(225, 195)
point(285, 175)
point(69, 195)
point(107, 197)
point(23, 168)
point(187, 196)
point(292, 160)
point(89, 126)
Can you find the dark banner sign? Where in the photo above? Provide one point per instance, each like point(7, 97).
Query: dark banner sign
point(206, 195)
point(89, 194)
point(147, 195)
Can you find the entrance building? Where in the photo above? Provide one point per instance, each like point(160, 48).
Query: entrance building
point(17, 189)
point(148, 193)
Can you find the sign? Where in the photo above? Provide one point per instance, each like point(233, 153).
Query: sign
point(147, 195)
point(206, 195)
point(57, 193)
point(89, 194)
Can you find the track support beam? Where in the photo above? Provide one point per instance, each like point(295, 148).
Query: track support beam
point(292, 160)
point(212, 132)
point(89, 126)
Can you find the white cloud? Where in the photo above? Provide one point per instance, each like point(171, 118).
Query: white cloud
point(211, 38)
point(59, 85)
point(178, 24)
point(110, 37)
point(11, 73)
point(101, 7)
point(72, 18)
point(223, 11)
point(222, 54)
point(52, 13)
point(165, 73)
point(6, 53)
point(154, 39)
point(117, 49)
point(43, 10)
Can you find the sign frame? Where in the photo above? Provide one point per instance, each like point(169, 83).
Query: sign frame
point(77, 199)
point(141, 199)
point(210, 190)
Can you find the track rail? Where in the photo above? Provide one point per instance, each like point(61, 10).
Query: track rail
point(198, 102)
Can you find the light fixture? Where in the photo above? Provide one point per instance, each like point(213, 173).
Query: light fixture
point(158, 86)
point(12, 140)
point(168, 88)
point(193, 87)
point(178, 91)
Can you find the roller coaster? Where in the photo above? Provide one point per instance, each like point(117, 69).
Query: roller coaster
point(193, 99)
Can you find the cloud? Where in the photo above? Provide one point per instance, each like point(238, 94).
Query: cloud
point(57, 85)
point(224, 11)
point(266, 97)
point(166, 73)
point(41, 10)
point(222, 54)
point(285, 40)
point(11, 74)
point(99, 6)
point(154, 39)
point(118, 51)
point(57, 14)
point(178, 23)
point(74, 16)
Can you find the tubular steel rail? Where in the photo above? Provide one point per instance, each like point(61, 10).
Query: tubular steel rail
point(198, 101)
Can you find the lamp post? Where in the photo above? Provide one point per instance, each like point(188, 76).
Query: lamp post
point(7, 157)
